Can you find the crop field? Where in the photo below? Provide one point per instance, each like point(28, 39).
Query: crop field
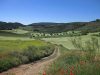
point(66, 41)
point(15, 34)
point(11, 34)
point(17, 31)
point(18, 45)
point(62, 40)
point(14, 38)
point(81, 61)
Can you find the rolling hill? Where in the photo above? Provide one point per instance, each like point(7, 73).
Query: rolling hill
point(49, 27)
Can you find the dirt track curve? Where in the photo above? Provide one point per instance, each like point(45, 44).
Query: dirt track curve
point(35, 68)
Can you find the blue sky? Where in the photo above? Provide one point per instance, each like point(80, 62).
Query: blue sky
point(30, 11)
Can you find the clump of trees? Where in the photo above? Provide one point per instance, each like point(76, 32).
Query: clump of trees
point(61, 34)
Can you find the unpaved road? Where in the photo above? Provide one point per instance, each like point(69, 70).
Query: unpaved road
point(35, 68)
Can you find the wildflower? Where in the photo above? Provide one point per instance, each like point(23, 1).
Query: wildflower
point(71, 73)
point(44, 73)
point(66, 71)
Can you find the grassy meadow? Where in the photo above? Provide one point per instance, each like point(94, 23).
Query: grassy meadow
point(79, 56)
point(73, 62)
point(17, 52)
point(66, 41)
point(11, 34)
point(15, 34)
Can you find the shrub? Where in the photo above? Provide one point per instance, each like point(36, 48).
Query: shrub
point(84, 32)
point(8, 62)
point(30, 52)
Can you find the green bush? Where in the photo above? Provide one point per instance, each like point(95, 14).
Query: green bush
point(8, 62)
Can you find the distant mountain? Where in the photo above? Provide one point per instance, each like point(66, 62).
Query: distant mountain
point(9, 26)
point(55, 27)
point(91, 26)
point(45, 23)
point(50, 27)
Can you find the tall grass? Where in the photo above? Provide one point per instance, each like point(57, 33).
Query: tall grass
point(82, 61)
point(90, 47)
point(72, 62)
point(77, 43)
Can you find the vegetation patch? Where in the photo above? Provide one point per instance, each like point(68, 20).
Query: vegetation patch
point(16, 52)
point(11, 34)
point(73, 63)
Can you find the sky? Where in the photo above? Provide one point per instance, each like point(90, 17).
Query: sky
point(32, 11)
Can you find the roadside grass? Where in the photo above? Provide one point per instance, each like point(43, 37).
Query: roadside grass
point(73, 62)
point(17, 52)
point(82, 60)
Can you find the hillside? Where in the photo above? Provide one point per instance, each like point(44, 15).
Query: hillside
point(92, 26)
point(10, 25)
point(50, 27)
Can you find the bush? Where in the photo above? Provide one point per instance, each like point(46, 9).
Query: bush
point(84, 32)
point(30, 52)
point(8, 62)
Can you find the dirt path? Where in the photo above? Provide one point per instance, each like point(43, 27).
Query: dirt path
point(35, 68)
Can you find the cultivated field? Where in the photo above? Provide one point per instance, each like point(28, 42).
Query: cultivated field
point(83, 60)
point(66, 41)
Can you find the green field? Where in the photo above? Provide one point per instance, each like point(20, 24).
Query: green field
point(77, 61)
point(14, 38)
point(65, 41)
point(62, 40)
point(17, 31)
point(17, 52)
point(15, 34)
point(18, 45)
